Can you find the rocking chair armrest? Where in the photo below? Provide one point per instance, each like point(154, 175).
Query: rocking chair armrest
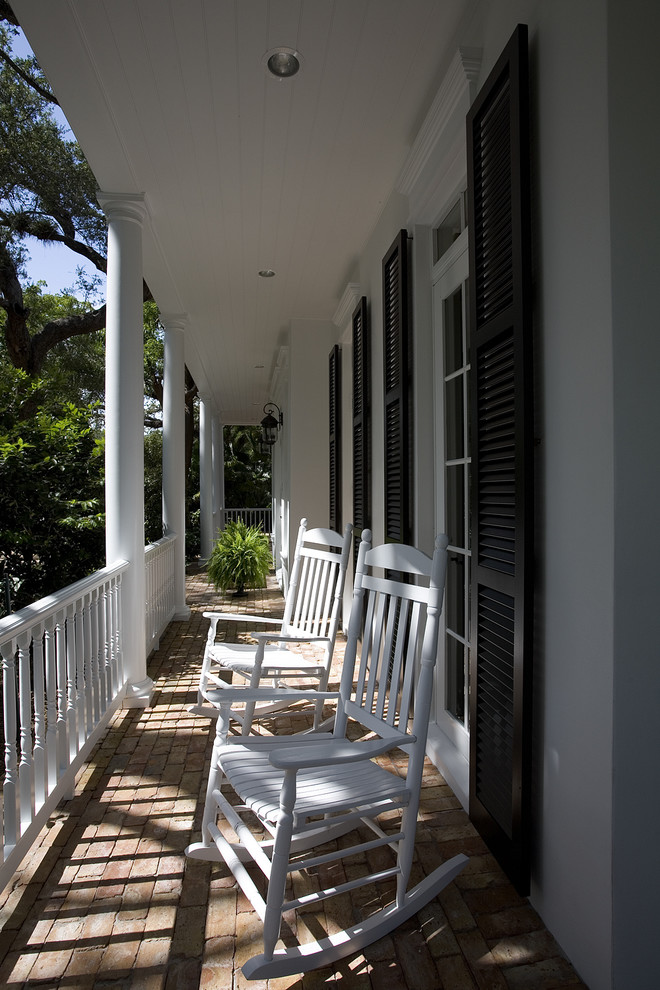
point(264, 637)
point(241, 617)
point(333, 751)
point(225, 697)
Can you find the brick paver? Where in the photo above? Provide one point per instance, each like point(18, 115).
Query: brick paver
point(106, 897)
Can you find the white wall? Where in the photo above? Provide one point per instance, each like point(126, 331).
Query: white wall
point(634, 85)
point(572, 886)
point(310, 344)
point(572, 874)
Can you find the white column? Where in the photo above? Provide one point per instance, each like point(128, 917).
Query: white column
point(218, 439)
point(124, 429)
point(174, 454)
point(205, 477)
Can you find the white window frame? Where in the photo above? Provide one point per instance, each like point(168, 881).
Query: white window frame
point(451, 745)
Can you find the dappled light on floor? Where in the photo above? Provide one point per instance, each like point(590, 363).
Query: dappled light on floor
point(108, 898)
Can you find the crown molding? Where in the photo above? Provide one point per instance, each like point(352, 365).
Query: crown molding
point(450, 98)
point(347, 304)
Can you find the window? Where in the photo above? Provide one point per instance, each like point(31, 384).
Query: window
point(449, 229)
point(452, 376)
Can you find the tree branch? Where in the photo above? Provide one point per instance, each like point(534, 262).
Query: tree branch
point(61, 329)
point(7, 14)
point(17, 335)
point(82, 249)
point(26, 77)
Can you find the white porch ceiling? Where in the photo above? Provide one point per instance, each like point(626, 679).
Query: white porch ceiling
point(242, 171)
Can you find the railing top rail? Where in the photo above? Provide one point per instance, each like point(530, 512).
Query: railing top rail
point(164, 540)
point(19, 622)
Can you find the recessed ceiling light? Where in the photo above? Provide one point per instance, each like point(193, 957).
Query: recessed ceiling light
point(283, 62)
point(266, 273)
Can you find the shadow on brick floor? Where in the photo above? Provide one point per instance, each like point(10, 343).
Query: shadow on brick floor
point(106, 897)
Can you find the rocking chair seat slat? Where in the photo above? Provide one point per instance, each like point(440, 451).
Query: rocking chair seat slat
point(273, 659)
point(319, 790)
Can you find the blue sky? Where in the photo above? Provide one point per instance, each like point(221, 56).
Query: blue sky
point(53, 264)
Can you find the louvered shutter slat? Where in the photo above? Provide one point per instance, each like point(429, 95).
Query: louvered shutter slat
point(361, 422)
point(397, 365)
point(501, 414)
point(334, 417)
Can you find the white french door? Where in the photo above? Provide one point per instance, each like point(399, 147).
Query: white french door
point(452, 481)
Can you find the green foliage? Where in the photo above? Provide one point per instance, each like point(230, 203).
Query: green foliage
point(52, 517)
point(240, 559)
point(153, 486)
point(51, 499)
point(247, 471)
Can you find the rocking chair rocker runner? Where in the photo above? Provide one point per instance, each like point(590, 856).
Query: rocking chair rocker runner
point(305, 791)
point(312, 614)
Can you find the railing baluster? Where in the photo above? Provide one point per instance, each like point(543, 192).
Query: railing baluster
point(84, 614)
point(251, 517)
point(94, 655)
point(61, 693)
point(80, 672)
point(25, 765)
point(10, 784)
point(62, 670)
point(51, 706)
point(71, 699)
point(103, 647)
point(117, 658)
point(39, 698)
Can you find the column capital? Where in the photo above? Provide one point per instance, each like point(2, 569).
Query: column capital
point(174, 321)
point(123, 206)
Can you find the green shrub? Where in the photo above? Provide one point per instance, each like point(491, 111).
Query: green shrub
point(240, 559)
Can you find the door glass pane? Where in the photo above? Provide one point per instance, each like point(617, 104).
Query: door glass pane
point(454, 418)
point(468, 506)
point(455, 678)
point(453, 331)
point(447, 232)
point(455, 489)
point(455, 593)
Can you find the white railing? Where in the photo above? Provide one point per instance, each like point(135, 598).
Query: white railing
point(252, 517)
point(62, 678)
point(159, 578)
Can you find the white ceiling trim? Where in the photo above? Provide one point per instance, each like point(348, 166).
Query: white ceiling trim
point(347, 303)
point(447, 110)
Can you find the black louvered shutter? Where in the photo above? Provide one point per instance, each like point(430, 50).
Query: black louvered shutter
point(502, 457)
point(361, 422)
point(397, 367)
point(335, 437)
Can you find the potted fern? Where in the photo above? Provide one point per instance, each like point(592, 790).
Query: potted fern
point(240, 558)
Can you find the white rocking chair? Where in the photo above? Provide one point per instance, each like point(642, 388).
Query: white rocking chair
point(312, 615)
point(304, 791)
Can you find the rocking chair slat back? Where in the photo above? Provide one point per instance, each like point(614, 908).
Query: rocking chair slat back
point(313, 600)
point(395, 615)
point(313, 609)
point(308, 791)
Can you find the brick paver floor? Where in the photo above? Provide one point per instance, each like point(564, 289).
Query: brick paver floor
point(106, 898)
